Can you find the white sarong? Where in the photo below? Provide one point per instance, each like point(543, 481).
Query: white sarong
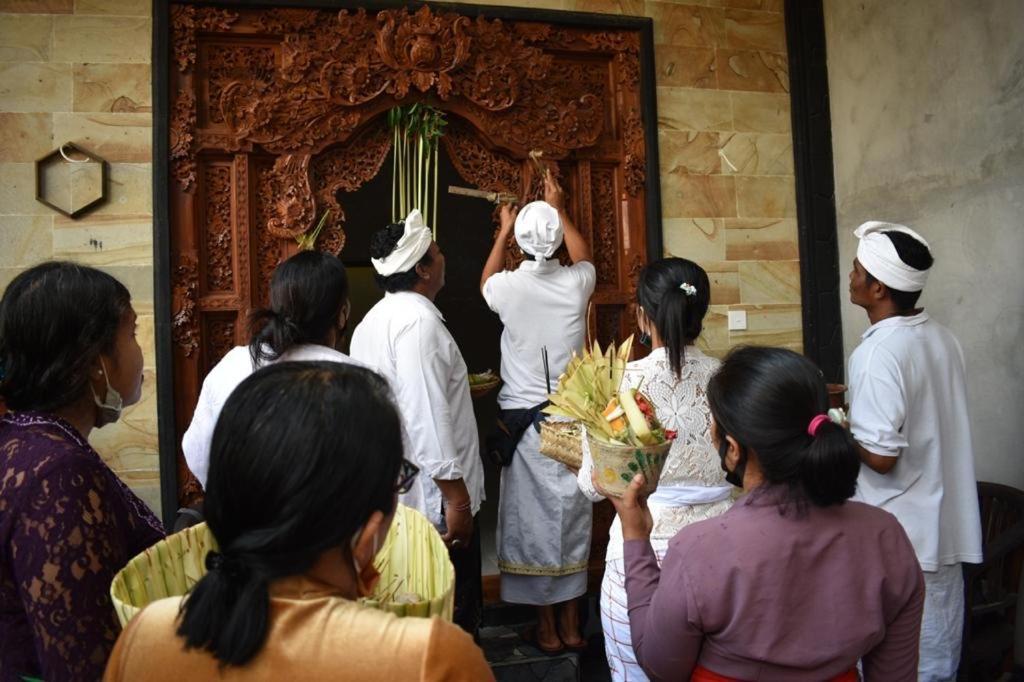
point(544, 525)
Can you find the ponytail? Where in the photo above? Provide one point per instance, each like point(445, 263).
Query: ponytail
point(675, 293)
point(307, 294)
point(227, 612)
point(830, 466)
point(273, 331)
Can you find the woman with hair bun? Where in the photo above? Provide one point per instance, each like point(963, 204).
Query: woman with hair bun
point(305, 321)
point(305, 471)
point(794, 582)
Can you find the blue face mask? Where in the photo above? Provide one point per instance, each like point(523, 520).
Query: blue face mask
point(112, 404)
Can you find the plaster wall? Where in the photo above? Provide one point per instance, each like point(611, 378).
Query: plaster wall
point(79, 71)
point(927, 101)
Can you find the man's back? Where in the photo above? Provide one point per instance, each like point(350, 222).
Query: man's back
point(908, 398)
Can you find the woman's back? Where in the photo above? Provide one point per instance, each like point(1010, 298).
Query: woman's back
point(681, 405)
point(772, 591)
point(313, 634)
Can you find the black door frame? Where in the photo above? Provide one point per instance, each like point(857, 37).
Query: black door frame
point(811, 130)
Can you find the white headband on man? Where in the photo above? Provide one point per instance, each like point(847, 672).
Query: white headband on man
point(879, 257)
point(410, 248)
point(538, 230)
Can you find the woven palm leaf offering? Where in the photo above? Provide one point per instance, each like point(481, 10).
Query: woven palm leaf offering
point(417, 577)
point(623, 432)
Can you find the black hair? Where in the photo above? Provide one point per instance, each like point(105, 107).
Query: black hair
point(678, 316)
point(307, 293)
point(382, 243)
point(55, 319)
point(765, 398)
point(916, 255)
point(303, 453)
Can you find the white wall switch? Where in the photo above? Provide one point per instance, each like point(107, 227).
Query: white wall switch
point(737, 320)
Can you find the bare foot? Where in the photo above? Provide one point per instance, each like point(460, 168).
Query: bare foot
point(569, 625)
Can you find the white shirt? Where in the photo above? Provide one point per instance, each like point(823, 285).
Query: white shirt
point(404, 338)
point(218, 385)
point(540, 304)
point(908, 399)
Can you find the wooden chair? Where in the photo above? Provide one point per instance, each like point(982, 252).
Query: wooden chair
point(992, 588)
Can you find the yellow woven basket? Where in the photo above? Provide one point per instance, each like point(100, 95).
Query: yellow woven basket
point(413, 563)
point(562, 442)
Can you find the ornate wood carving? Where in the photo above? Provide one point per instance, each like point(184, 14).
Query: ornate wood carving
point(276, 111)
point(268, 247)
point(242, 226)
point(186, 20)
point(228, 63)
point(606, 229)
point(479, 165)
point(290, 193)
point(346, 169)
point(608, 323)
point(220, 338)
point(218, 229)
point(182, 127)
point(184, 286)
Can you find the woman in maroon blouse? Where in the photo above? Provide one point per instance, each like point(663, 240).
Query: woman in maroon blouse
point(69, 362)
point(794, 582)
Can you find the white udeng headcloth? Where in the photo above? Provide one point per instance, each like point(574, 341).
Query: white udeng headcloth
point(410, 248)
point(879, 257)
point(538, 229)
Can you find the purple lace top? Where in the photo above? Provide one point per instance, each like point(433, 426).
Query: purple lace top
point(67, 525)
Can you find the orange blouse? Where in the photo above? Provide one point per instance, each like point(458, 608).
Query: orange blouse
point(314, 634)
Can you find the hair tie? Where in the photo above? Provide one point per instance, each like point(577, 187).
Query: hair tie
point(812, 428)
point(230, 567)
point(688, 289)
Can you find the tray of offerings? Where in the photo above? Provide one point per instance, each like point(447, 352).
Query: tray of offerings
point(624, 435)
point(482, 383)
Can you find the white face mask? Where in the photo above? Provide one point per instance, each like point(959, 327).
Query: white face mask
point(111, 405)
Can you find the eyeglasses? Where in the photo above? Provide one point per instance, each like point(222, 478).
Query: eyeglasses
point(406, 475)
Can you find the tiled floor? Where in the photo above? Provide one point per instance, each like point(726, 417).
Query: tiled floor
point(514, 660)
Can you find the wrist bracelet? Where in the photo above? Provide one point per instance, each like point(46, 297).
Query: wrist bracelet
point(465, 507)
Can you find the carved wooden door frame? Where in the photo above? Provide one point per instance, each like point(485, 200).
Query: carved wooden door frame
point(246, 111)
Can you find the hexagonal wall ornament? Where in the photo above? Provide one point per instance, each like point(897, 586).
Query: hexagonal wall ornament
point(71, 180)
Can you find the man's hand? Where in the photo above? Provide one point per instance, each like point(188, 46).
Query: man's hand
point(634, 514)
point(553, 193)
point(460, 527)
point(508, 213)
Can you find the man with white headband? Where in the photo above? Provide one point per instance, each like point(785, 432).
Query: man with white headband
point(908, 414)
point(544, 522)
point(404, 337)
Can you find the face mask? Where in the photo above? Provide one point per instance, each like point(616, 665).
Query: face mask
point(111, 405)
point(644, 338)
point(735, 477)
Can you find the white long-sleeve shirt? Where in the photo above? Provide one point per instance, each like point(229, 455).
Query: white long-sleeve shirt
point(405, 339)
point(218, 385)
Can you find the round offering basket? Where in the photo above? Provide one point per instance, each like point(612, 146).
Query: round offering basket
point(417, 578)
point(615, 465)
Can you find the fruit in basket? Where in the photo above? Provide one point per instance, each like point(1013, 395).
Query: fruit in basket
point(590, 391)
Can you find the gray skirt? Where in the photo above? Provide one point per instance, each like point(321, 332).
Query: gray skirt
point(544, 526)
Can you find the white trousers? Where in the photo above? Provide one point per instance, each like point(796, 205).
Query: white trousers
point(942, 624)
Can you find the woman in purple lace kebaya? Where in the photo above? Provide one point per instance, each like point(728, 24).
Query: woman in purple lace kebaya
point(69, 362)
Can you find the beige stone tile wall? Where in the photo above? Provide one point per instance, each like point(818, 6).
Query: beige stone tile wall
point(79, 71)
